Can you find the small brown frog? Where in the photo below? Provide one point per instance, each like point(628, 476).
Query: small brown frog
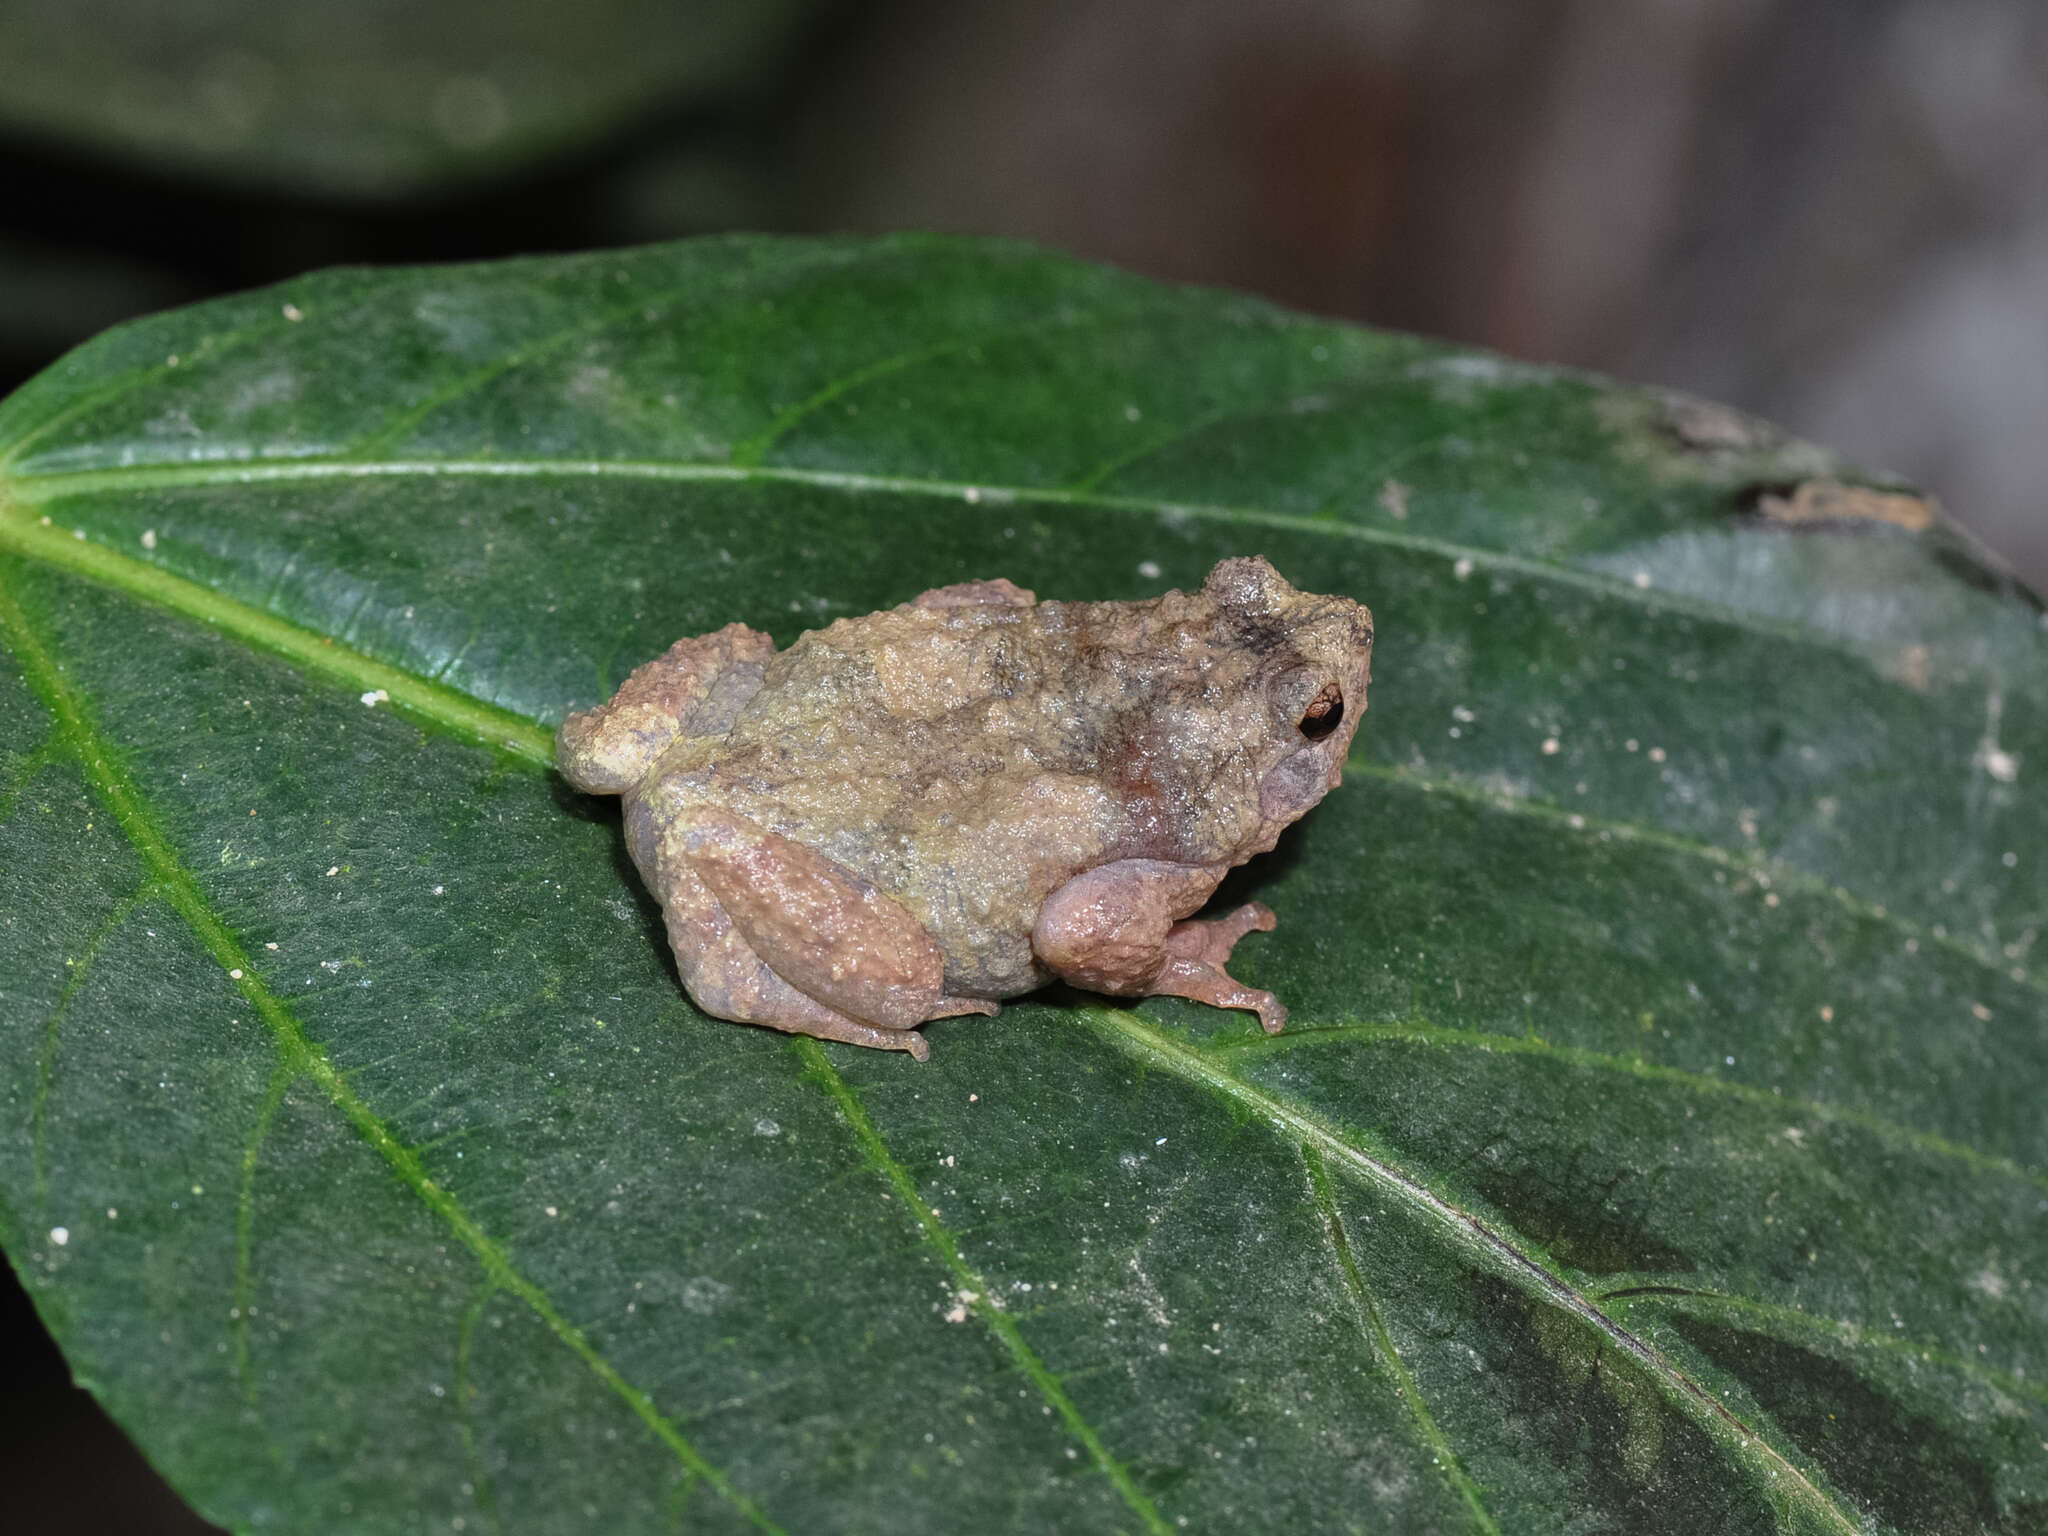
point(914, 814)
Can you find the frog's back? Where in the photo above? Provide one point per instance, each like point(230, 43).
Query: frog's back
point(939, 754)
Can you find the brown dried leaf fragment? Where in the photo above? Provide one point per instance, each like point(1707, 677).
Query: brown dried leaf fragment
point(1830, 501)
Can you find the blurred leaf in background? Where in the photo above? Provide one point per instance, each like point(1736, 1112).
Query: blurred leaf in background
point(367, 98)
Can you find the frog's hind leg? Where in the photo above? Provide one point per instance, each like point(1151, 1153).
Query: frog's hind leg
point(821, 932)
point(728, 980)
point(1119, 929)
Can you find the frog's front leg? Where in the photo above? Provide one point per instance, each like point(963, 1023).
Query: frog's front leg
point(768, 931)
point(1121, 929)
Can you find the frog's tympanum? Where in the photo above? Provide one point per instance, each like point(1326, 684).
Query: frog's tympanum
point(916, 813)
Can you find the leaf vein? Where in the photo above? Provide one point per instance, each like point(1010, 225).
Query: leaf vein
point(211, 349)
point(281, 1079)
point(396, 428)
point(1790, 1106)
point(1134, 1037)
point(33, 762)
point(56, 486)
point(46, 1059)
point(1671, 842)
point(818, 1067)
point(465, 1341)
point(1838, 1331)
point(1381, 1342)
point(302, 1056)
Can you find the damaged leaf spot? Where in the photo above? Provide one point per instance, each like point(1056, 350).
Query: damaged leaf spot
point(1707, 425)
point(1814, 502)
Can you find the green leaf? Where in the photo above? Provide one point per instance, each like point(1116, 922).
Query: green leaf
point(367, 97)
point(1656, 1144)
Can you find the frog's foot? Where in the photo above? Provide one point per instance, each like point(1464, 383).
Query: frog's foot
point(1210, 984)
point(953, 1007)
point(1119, 929)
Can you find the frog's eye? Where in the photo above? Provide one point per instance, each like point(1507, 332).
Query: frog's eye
point(1324, 713)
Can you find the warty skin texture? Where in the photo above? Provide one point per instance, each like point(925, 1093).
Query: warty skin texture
point(922, 811)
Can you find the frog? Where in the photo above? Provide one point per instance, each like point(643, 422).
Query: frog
point(926, 811)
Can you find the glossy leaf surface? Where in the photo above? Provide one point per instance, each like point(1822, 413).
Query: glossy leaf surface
point(1656, 1144)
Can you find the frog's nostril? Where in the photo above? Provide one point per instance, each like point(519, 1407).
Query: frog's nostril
point(1324, 714)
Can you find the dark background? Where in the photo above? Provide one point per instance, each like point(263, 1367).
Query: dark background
point(1831, 212)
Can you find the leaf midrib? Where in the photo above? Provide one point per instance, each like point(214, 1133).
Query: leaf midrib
point(47, 488)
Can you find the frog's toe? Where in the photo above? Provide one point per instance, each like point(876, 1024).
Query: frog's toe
point(1212, 939)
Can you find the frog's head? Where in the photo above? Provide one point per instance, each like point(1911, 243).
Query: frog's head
point(1313, 659)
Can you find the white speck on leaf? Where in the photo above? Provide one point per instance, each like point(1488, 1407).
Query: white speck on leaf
point(2001, 765)
point(149, 538)
point(1149, 569)
point(375, 697)
point(60, 1235)
point(1463, 569)
point(1988, 1282)
point(766, 1127)
point(703, 1294)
